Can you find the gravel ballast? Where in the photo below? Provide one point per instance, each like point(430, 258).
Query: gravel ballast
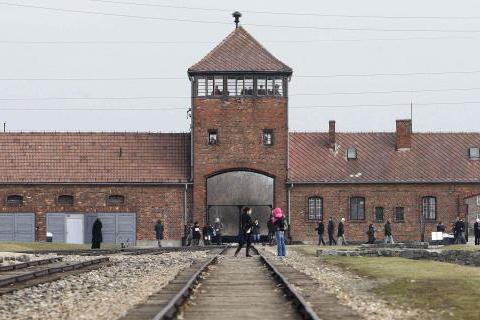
point(106, 293)
point(351, 289)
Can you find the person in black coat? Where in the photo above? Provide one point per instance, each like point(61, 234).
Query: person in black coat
point(341, 233)
point(97, 234)
point(476, 232)
point(331, 232)
point(245, 235)
point(388, 233)
point(159, 228)
point(440, 227)
point(320, 230)
point(196, 234)
point(371, 234)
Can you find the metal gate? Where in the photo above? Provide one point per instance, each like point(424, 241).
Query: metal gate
point(18, 227)
point(116, 227)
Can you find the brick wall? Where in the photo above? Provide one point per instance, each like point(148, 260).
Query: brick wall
point(450, 203)
point(150, 203)
point(240, 123)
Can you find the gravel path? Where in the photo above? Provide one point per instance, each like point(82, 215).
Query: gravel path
point(351, 289)
point(106, 293)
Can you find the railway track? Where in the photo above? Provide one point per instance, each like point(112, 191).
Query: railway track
point(227, 287)
point(125, 251)
point(23, 275)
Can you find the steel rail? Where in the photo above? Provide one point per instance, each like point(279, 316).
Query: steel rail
point(27, 264)
point(170, 310)
point(302, 305)
point(17, 278)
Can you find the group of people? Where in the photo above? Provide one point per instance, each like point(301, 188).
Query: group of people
point(459, 229)
point(277, 222)
point(209, 234)
point(341, 240)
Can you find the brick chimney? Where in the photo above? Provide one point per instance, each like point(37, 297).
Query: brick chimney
point(403, 135)
point(331, 134)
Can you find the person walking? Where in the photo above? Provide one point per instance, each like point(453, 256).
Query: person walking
point(271, 232)
point(245, 236)
point(278, 219)
point(218, 228)
point(256, 231)
point(463, 229)
point(188, 234)
point(207, 234)
point(159, 228)
point(388, 233)
point(371, 234)
point(97, 237)
point(341, 233)
point(320, 231)
point(196, 234)
point(476, 232)
point(331, 231)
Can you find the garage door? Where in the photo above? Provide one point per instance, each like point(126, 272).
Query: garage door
point(17, 227)
point(116, 227)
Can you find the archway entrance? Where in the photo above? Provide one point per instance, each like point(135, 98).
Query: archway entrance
point(228, 193)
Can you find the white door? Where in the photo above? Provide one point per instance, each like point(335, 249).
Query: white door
point(74, 228)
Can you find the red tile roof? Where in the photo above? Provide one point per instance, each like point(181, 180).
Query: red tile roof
point(94, 157)
point(434, 157)
point(239, 52)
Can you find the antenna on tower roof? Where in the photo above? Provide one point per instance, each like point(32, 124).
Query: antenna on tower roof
point(237, 16)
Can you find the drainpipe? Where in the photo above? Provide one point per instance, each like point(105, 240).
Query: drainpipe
point(185, 205)
point(289, 211)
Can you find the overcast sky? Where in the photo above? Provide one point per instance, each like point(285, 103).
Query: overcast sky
point(435, 48)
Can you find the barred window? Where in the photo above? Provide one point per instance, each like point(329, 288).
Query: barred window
point(212, 137)
point(201, 87)
point(378, 214)
point(65, 200)
point(231, 86)
point(240, 88)
point(115, 200)
point(248, 91)
point(218, 86)
point(315, 208)
point(210, 86)
point(357, 208)
point(399, 214)
point(270, 86)
point(14, 200)
point(429, 208)
point(261, 86)
point(268, 137)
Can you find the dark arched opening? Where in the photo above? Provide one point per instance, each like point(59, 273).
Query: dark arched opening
point(229, 192)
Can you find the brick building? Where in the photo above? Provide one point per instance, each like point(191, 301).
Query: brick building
point(239, 153)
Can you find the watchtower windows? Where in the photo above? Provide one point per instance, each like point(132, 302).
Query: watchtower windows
point(261, 86)
point(212, 137)
point(248, 91)
point(278, 86)
point(231, 86)
point(218, 86)
point(201, 87)
point(239, 85)
point(210, 91)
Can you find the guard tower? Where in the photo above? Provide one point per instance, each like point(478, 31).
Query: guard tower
point(239, 131)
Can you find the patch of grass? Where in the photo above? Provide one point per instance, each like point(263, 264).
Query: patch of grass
point(464, 247)
point(23, 246)
point(312, 249)
point(427, 285)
